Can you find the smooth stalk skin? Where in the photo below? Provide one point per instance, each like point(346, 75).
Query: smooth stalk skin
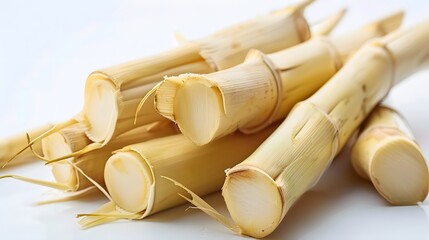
point(386, 154)
point(263, 89)
point(11, 145)
point(92, 164)
point(134, 175)
point(113, 94)
point(259, 191)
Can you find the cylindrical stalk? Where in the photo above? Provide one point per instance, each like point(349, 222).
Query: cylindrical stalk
point(92, 164)
point(386, 154)
point(112, 94)
point(134, 174)
point(261, 90)
point(11, 145)
point(259, 191)
point(66, 141)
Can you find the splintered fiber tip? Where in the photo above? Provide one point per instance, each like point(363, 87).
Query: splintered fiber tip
point(325, 26)
point(303, 4)
point(196, 106)
point(298, 6)
point(399, 172)
point(254, 202)
point(391, 22)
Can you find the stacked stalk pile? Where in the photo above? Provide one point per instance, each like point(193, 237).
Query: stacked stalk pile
point(77, 174)
point(74, 141)
point(259, 191)
point(137, 168)
point(134, 174)
point(113, 94)
point(263, 89)
point(227, 113)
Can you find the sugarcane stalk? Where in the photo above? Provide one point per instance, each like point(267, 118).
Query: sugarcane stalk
point(113, 94)
point(64, 142)
point(263, 89)
point(134, 175)
point(9, 146)
point(387, 154)
point(296, 155)
point(79, 173)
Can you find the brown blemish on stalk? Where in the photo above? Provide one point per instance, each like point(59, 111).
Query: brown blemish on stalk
point(356, 117)
point(341, 123)
point(235, 45)
point(363, 108)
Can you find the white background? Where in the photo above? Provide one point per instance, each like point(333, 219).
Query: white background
point(47, 48)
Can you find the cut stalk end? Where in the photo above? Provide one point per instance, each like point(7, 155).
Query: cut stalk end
point(56, 146)
point(101, 110)
point(128, 180)
point(385, 153)
point(399, 172)
point(254, 201)
point(198, 107)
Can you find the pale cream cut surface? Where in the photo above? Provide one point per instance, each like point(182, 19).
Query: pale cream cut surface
point(102, 110)
point(63, 172)
point(253, 195)
point(62, 143)
point(131, 183)
point(196, 96)
point(387, 155)
point(400, 173)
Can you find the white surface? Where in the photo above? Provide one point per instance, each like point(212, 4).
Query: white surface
point(47, 49)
